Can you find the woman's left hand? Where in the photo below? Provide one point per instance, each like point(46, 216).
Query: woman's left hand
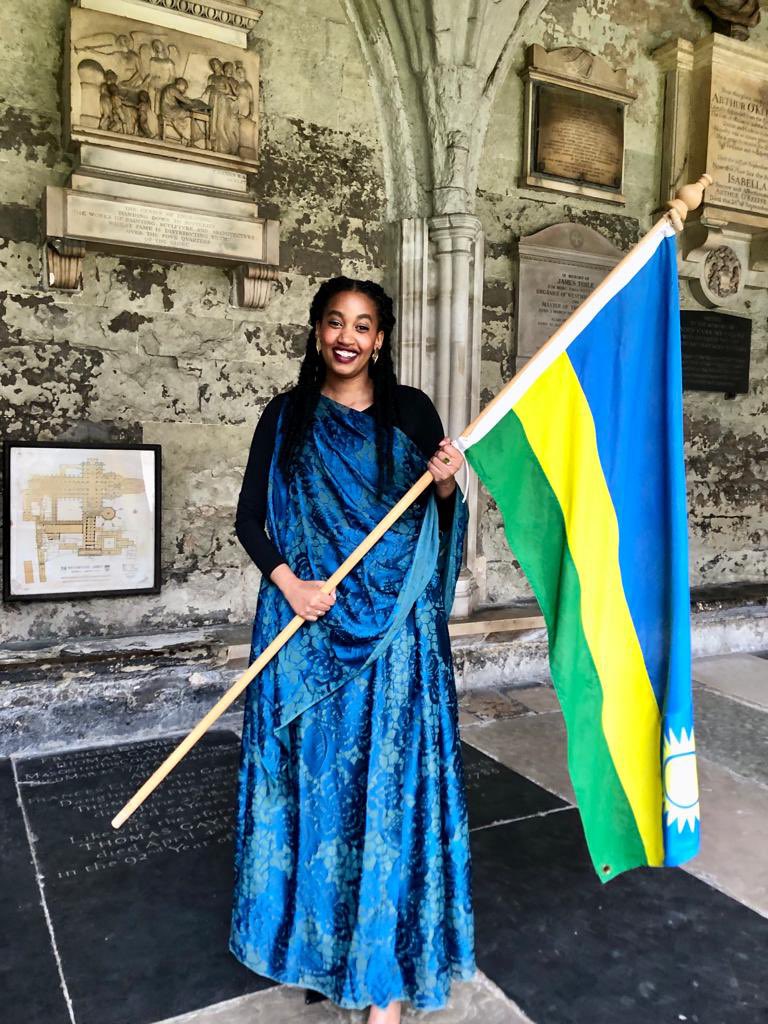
point(443, 466)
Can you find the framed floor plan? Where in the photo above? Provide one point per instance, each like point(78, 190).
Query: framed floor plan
point(80, 520)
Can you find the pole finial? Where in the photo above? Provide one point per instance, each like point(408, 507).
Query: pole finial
point(687, 198)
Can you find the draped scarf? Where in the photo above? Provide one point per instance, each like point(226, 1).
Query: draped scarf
point(316, 516)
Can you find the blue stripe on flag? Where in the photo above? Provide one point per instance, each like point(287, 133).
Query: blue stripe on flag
point(628, 363)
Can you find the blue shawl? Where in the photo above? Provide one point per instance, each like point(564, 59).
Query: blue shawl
point(316, 518)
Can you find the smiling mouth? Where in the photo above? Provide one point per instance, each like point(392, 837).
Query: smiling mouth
point(344, 355)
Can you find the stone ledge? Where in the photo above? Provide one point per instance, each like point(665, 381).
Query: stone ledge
point(82, 692)
point(230, 641)
point(14, 654)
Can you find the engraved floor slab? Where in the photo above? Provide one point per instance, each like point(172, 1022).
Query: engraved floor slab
point(29, 979)
point(143, 911)
point(651, 945)
point(741, 676)
point(147, 907)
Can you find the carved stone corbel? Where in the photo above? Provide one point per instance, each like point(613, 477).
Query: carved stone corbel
point(64, 264)
point(254, 284)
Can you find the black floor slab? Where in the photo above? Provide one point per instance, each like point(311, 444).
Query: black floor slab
point(496, 793)
point(29, 980)
point(143, 912)
point(650, 947)
point(141, 915)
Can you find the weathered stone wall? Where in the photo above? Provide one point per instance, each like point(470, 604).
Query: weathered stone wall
point(726, 441)
point(155, 352)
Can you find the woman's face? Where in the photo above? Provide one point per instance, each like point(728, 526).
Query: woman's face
point(348, 333)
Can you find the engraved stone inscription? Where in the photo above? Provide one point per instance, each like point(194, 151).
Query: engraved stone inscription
point(738, 141)
point(559, 267)
point(580, 137)
point(556, 298)
point(192, 810)
point(157, 891)
point(716, 351)
point(96, 218)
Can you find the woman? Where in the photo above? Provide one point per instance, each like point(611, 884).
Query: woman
point(221, 98)
point(352, 864)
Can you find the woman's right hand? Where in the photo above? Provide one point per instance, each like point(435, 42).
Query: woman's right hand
point(304, 596)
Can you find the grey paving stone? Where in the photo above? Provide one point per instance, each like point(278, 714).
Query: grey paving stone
point(538, 698)
point(741, 676)
point(732, 734)
point(489, 704)
point(533, 745)
point(734, 836)
point(476, 1000)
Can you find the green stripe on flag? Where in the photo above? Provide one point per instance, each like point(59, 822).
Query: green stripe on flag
point(535, 529)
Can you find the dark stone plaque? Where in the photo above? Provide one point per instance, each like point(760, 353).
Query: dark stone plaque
point(716, 350)
point(29, 980)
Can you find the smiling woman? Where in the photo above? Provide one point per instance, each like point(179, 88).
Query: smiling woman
point(352, 855)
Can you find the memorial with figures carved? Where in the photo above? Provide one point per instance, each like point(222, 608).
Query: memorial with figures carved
point(163, 114)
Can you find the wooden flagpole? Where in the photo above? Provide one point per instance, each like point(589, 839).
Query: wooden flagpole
point(687, 198)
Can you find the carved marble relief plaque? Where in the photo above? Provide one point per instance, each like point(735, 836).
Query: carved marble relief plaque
point(164, 115)
point(155, 89)
point(559, 267)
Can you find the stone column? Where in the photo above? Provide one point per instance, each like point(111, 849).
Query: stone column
point(440, 292)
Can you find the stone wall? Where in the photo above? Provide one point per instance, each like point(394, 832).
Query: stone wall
point(726, 441)
point(155, 352)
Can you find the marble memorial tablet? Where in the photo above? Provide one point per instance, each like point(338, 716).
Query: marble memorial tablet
point(737, 155)
point(559, 267)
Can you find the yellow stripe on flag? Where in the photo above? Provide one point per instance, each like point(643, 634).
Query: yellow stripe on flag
point(560, 429)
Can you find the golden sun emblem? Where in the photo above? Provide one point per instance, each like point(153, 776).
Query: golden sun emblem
point(681, 786)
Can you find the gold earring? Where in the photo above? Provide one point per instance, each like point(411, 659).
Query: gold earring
point(375, 355)
point(318, 346)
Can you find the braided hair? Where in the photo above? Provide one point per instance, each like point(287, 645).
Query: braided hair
point(303, 398)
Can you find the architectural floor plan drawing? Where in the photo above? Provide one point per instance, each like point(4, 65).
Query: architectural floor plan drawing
point(83, 520)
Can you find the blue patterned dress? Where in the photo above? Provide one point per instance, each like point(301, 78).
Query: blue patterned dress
point(352, 862)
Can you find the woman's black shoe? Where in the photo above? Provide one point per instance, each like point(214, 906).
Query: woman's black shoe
point(310, 996)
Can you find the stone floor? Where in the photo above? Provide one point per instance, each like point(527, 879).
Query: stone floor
point(130, 927)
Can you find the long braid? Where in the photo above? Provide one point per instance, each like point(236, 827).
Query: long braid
point(305, 395)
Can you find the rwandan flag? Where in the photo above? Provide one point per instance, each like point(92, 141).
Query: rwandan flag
point(583, 453)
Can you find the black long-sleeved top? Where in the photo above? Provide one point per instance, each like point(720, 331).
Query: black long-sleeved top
point(415, 415)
